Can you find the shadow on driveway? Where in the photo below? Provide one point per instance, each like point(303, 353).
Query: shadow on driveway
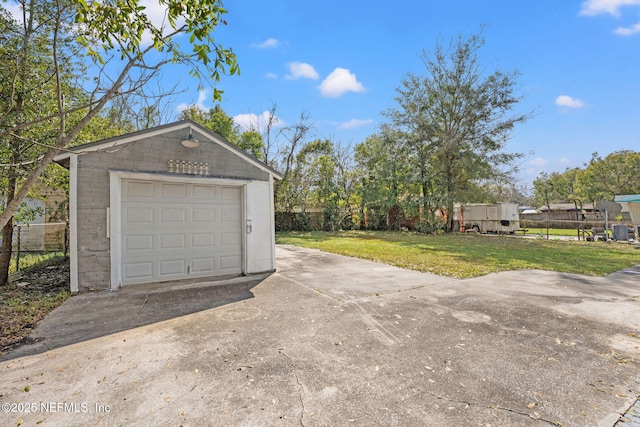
point(93, 315)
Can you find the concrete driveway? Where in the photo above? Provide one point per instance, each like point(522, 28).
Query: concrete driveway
point(331, 340)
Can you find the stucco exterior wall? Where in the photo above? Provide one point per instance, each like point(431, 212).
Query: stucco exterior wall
point(146, 155)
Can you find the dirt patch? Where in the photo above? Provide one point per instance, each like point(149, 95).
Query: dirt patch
point(28, 300)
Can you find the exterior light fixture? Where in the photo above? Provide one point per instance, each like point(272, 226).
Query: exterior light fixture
point(190, 142)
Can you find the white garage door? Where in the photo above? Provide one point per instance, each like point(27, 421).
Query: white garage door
point(176, 230)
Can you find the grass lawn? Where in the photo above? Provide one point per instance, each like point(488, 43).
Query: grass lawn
point(471, 255)
point(552, 231)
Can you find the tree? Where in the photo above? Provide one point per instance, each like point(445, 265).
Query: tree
point(268, 139)
point(457, 121)
point(320, 180)
point(287, 191)
point(218, 121)
point(214, 119)
point(251, 142)
point(557, 187)
point(316, 164)
point(46, 99)
point(384, 178)
point(346, 182)
point(295, 136)
point(122, 61)
point(27, 90)
point(602, 179)
point(501, 188)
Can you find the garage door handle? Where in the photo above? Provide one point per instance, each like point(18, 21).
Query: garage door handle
point(249, 226)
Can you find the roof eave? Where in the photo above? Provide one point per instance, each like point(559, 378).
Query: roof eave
point(63, 157)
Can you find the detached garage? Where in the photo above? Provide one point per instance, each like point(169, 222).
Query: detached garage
point(170, 203)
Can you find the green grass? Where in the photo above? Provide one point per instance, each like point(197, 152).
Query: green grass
point(44, 285)
point(471, 255)
point(28, 261)
point(552, 232)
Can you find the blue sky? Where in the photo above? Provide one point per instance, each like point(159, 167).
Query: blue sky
point(341, 61)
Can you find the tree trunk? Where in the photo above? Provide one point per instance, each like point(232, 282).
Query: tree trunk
point(424, 212)
point(450, 193)
point(450, 212)
point(5, 255)
point(7, 231)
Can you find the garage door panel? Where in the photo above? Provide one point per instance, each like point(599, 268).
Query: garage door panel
point(229, 263)
point(230, 193)
point(136, 189)
point(138, 243)
point(139, 215)
point(138, 270)
point(230, 239)
point(172, 241)
point(173, 215)
point(206, 192)
point(173, 191)
point(203, 240)
point(172, 267)
point(203, 215)
point(228, 215)
point(183, 230)
point(203, 265)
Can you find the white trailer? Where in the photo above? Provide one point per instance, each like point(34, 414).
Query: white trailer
point(489, 218)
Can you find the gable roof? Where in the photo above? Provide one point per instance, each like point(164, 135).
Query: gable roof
point(102, 145)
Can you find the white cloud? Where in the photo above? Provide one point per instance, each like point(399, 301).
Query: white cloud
point(628, 31)
point(612, 7)
point(202, 96)
point(539, 161)
point(569, 102)
point(157, 14)
point(301, 70)
point(14, 9)
point(267, 44)
point(564, 161)
point(355, 123)
point(271, 75)
point(338, 82)
point(259, 123)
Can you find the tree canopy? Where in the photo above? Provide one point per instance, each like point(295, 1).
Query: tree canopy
point(601, 179)
point(126, 50)
point(218, 121)
point(454, 121)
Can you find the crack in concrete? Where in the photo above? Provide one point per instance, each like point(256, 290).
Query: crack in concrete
point(144, 304)
point(394, 291)
point(318, 291)
point(295, 374)
point(631, 416)
point(499, 407)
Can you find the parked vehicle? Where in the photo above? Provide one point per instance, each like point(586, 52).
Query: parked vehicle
point(489, 218)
